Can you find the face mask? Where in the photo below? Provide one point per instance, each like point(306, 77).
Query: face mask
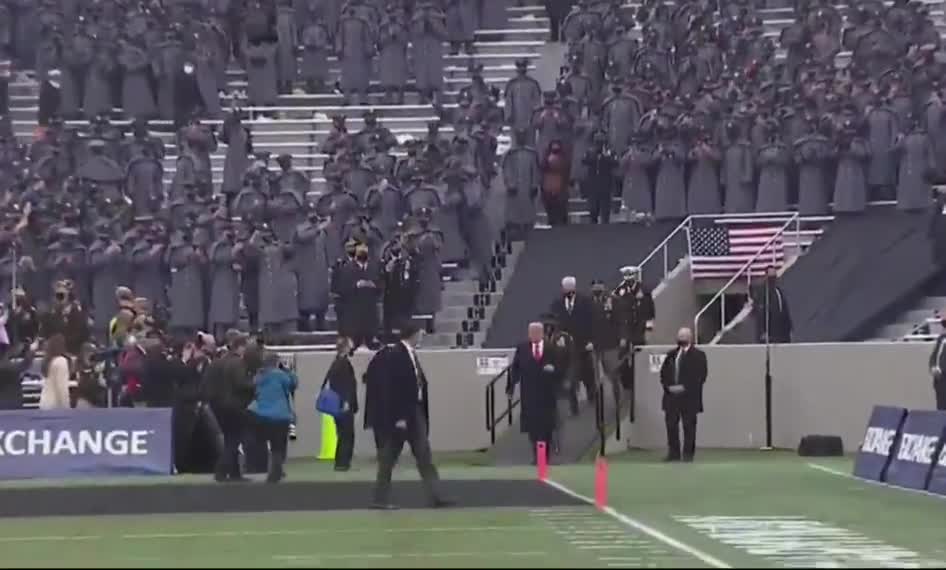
point(682, 343)
point(570, 294)
point(362, 256)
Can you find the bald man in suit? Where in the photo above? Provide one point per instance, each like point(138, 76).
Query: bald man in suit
point(683, 375)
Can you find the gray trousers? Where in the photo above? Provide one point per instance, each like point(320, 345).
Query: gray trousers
point(420, 448)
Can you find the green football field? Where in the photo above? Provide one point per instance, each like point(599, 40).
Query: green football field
point(727, 510)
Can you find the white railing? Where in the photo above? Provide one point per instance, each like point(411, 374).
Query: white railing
point(662, 251)
point(917, 332)
point(745, 271)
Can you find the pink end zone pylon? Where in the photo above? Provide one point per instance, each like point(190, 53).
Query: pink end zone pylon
point(601, 482)
point(541, 461)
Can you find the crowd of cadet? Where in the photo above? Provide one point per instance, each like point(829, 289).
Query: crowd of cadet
point(90, 203)
point(691, 108)
point(162, 58)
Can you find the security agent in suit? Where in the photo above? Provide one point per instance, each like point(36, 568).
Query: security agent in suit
point(770, 308)
point(402, 416)
point(575, 315)
point(937, 364)
point(683, 375)
point(341, 378)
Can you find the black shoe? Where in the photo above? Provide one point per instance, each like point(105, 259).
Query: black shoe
point(440, 503)
point(671, 458)
point(273, 479)
point(342, 468)
point(384, 506)
point(239, 479)
point(688, 459)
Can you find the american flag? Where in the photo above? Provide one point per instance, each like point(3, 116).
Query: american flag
point(721, 249)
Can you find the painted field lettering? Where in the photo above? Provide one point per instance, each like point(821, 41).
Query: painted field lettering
point(801, 542)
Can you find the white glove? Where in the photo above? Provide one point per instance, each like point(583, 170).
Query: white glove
point(676, 389)
point(623, 343)
point(936, 371)
point(401, 424)
point(548, 368)
point(589, 347)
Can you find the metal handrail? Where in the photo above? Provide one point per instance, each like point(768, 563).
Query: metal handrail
point(663, 246)
point(916, 331)
point(746, 268)
point(492, 420)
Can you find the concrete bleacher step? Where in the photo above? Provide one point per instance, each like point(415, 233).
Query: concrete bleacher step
point(26, 116)
point(894, 331)
point(932, 304)
point(301, 98)
point(457, 71)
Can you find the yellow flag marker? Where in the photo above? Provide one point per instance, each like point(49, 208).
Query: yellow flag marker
point(329, 438)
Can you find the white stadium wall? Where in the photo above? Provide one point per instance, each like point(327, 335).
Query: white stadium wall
point(817, 389)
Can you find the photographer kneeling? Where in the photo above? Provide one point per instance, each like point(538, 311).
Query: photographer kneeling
point(273, 411)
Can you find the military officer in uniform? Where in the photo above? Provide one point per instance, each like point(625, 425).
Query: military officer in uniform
point(633, 307)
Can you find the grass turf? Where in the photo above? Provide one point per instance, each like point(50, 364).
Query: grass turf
point(656, 496)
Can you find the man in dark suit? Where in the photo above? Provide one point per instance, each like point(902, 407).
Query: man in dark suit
point(575, 315)
point(536, 369)
point(11, 374)
point(341, 378)
point(359, 289)
point(682, 375)
point(229, 389)
point(402, 416)
point(937, 363)
point(770, 308)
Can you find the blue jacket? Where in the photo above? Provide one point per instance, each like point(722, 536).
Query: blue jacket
point(274, 389)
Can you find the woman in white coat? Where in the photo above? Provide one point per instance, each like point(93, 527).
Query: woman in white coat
point(55, 392)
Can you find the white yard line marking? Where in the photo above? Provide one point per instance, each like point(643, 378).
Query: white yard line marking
point(284, 532)
point(49, 538)
point(838, 473)
point(389, 556)
point(646, 529)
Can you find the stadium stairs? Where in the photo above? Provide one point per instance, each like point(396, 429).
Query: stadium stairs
point(917, 318)
point(300, 122)
point(593, 252)
point(585, 251)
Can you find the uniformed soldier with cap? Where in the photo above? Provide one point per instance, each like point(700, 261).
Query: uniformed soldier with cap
point(633, 308)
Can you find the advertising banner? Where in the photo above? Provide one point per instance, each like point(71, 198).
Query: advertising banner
point(880, 439)
point(72, 443)
point(938, 478)
point(917, 449)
